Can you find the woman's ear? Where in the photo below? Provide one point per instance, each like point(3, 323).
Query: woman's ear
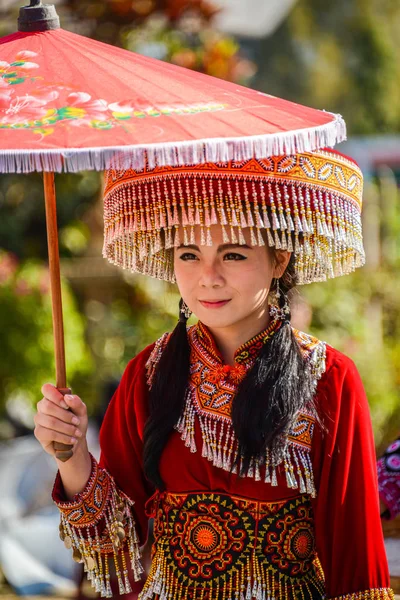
point(282, 258)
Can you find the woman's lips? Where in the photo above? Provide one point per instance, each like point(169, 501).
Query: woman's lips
point(213, 303)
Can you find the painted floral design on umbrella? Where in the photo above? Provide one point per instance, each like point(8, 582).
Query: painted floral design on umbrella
point(37, 110)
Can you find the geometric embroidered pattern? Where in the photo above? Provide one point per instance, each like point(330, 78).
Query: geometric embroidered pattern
point(88, 507)
point(214, 383)
point(215, 546)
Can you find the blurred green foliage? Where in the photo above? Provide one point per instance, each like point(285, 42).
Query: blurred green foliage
point(26, 339)
point(343, 56)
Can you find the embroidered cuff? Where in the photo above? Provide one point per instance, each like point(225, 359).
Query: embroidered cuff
point(98, 524)
point(372, 594)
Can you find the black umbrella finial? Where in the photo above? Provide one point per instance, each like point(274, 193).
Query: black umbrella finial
point(38, 17)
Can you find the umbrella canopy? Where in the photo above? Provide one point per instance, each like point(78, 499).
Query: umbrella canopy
point(71, 103)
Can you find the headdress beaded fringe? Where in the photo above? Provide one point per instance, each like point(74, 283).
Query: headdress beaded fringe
point(309, 204)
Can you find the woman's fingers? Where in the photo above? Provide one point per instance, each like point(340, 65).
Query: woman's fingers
point(50, 392)
point(69, 401)
point(76, 405)
point(55, 425)
point(60, 419)
point(47, 436)
point(47, 407)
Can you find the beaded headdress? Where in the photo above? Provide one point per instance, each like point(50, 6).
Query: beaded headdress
point(308, 203)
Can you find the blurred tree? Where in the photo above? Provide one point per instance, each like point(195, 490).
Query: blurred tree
point(26, 340)
point(177, 31)
point(26, 336)
point(343, 56)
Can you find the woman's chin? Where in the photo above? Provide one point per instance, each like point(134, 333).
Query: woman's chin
point(216, 319)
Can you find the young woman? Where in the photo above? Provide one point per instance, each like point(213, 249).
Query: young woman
point(248, 442)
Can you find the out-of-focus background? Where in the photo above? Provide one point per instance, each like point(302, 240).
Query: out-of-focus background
point(343, 56)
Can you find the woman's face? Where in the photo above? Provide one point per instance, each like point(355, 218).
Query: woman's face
point(226, 284)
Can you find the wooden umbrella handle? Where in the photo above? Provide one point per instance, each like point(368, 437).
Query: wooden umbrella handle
point(63, 451)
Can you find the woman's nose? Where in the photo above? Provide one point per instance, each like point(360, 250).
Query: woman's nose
point(211, 276)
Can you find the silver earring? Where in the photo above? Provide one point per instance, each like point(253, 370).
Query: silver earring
point(185, 310)
point(277, 310)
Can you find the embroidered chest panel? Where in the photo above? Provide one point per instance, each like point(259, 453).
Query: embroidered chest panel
point(215, 546)
point(211, 389)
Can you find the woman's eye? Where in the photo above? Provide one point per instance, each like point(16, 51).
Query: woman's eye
point(188, 256)
point(234, 256)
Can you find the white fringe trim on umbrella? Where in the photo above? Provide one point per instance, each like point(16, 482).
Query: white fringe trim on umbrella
point(73, 160)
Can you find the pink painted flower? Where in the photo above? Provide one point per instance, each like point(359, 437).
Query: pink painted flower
point(28, 66)
point(22, 109)
point(85, 109)
point(42, 96)
point(5, 98)
point(125, 107)
point(23, 54)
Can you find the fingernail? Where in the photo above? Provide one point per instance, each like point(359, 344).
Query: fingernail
point(73, 440)
point(68, 397)
point(63, 404)
point(78, 433)
point(75, 421)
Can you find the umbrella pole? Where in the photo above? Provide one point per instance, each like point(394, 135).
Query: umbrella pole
point(63, 451)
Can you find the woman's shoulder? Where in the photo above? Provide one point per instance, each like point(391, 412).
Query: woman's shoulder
point(325, 358)
point(338, 383)
point(336, 376)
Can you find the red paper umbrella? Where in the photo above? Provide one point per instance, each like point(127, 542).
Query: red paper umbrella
point(70, 103)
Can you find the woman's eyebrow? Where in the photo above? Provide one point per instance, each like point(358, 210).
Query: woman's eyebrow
point(224, 247)
point(221, 248)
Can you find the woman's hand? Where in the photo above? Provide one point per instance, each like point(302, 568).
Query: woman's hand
point(54, 423)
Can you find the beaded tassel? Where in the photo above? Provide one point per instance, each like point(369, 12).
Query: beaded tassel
point(94, 550)
point(219, 446)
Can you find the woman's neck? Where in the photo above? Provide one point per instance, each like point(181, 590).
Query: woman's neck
point(229, 339)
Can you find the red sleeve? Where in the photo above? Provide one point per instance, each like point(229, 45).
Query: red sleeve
point(121, 438)
point(106, 522)
point(348, 530)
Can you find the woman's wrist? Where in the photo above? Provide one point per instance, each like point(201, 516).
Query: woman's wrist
point(76, 471)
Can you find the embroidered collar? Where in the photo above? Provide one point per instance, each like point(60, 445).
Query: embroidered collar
point(248, 350)
point(203, 344)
